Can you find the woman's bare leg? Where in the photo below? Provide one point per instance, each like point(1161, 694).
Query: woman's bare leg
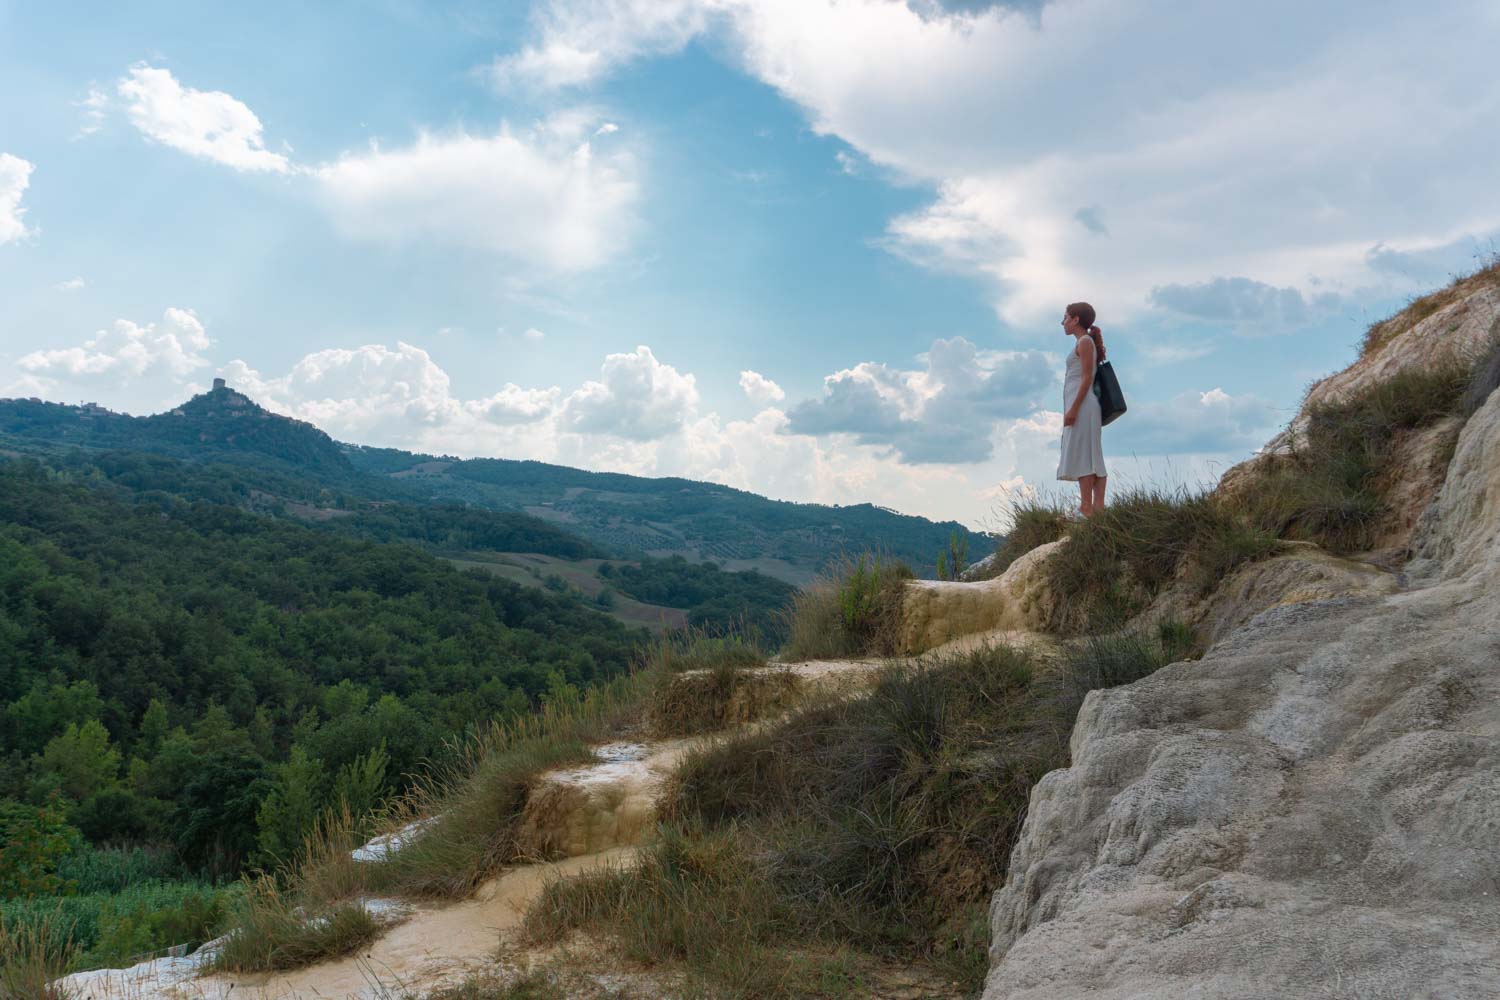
point(1098, 493)
point(1086, 494)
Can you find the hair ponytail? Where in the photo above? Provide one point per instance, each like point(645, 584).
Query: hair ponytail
point(1097, 336)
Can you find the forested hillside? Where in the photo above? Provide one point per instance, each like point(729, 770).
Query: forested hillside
point(660, 517)
point(162, 662)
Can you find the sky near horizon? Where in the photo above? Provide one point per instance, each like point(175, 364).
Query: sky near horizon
point(817, 249)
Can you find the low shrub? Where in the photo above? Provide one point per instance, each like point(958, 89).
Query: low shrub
point(1106, 660)
point(724, 695)
point(273, 931)
point(697, 649)
point(108, 929)
point(853, 610)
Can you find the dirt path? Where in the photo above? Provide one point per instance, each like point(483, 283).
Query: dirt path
point(593, 815)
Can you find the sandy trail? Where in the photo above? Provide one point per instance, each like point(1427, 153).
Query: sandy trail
point(435, 945)
point(594, 816)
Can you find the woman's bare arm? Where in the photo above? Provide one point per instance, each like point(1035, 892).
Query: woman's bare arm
point(1085, 351)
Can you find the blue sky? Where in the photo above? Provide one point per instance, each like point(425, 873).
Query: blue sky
point(813, 249)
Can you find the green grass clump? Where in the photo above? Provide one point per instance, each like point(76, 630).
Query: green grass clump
point(1116, 561)
point(1034, 523)
point(1106, 660)
point(697, 649)
point(531, 986)
point(273, 931)
point(853, 610)
point(33, 953)
point(876, 826)
point(1328, 489)
point(724, 695)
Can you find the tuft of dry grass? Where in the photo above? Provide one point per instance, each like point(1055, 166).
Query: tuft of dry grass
point(1117, 561)
point(1034, 523)
point(854, 609)
point(33, 954)
point(1487, 274)
point(1327, 489)
point(273, 931)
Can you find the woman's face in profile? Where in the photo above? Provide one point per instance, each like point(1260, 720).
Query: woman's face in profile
point(1068, 323)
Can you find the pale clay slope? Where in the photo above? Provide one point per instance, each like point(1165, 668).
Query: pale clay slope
point(1311, 810)
point(592, 816)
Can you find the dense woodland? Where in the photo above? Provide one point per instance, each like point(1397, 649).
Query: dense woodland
point(215, 627)
point(164, 663)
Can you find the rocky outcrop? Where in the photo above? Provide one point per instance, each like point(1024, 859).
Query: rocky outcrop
point(1312, 809)
point(936, 611)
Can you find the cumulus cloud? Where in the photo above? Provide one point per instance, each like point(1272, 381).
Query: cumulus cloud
point(132, 366)
point(945, 414)
point(127, 350)
point(1252, 306)
point(636, 397)
point(760, 390)
point(1197, 423)
point(15, 177)
point(208, 124)
point(1272, 157)
point(532, 333)
point(71, 285)
point(540, 197)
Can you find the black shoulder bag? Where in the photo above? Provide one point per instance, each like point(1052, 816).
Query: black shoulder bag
point(1107, 389)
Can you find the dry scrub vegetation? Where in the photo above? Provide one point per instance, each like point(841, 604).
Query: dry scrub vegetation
point(794, 858)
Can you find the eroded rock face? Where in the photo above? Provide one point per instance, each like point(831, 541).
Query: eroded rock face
point(1311, 810)
point(936, 611)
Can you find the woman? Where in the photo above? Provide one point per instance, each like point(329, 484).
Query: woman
point(1082, 459)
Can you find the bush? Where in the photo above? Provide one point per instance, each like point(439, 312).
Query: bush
point(854, 610)
point(274, 932)
point(117, 928)
point(878, 823)
point(1106, 660)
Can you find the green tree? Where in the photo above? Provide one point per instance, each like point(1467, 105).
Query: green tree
point(80, 762)
point(292, 806)
point(33, 840)
point(360, 786)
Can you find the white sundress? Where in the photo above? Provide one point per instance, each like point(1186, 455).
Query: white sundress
point(1082, 451)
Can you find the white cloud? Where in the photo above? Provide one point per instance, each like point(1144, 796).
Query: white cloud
point(127, 366)
point(760, 390)
point(608, 128)
point(540, 199)
point(127, 350)
point(71, 285)
point(15, 177)
point(1196, 423)
point(532, 333)
point(581, 40)
point(208, 124)
point(945, 414)
point(1212, 140)
point(637, 397)
point(95, 108)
